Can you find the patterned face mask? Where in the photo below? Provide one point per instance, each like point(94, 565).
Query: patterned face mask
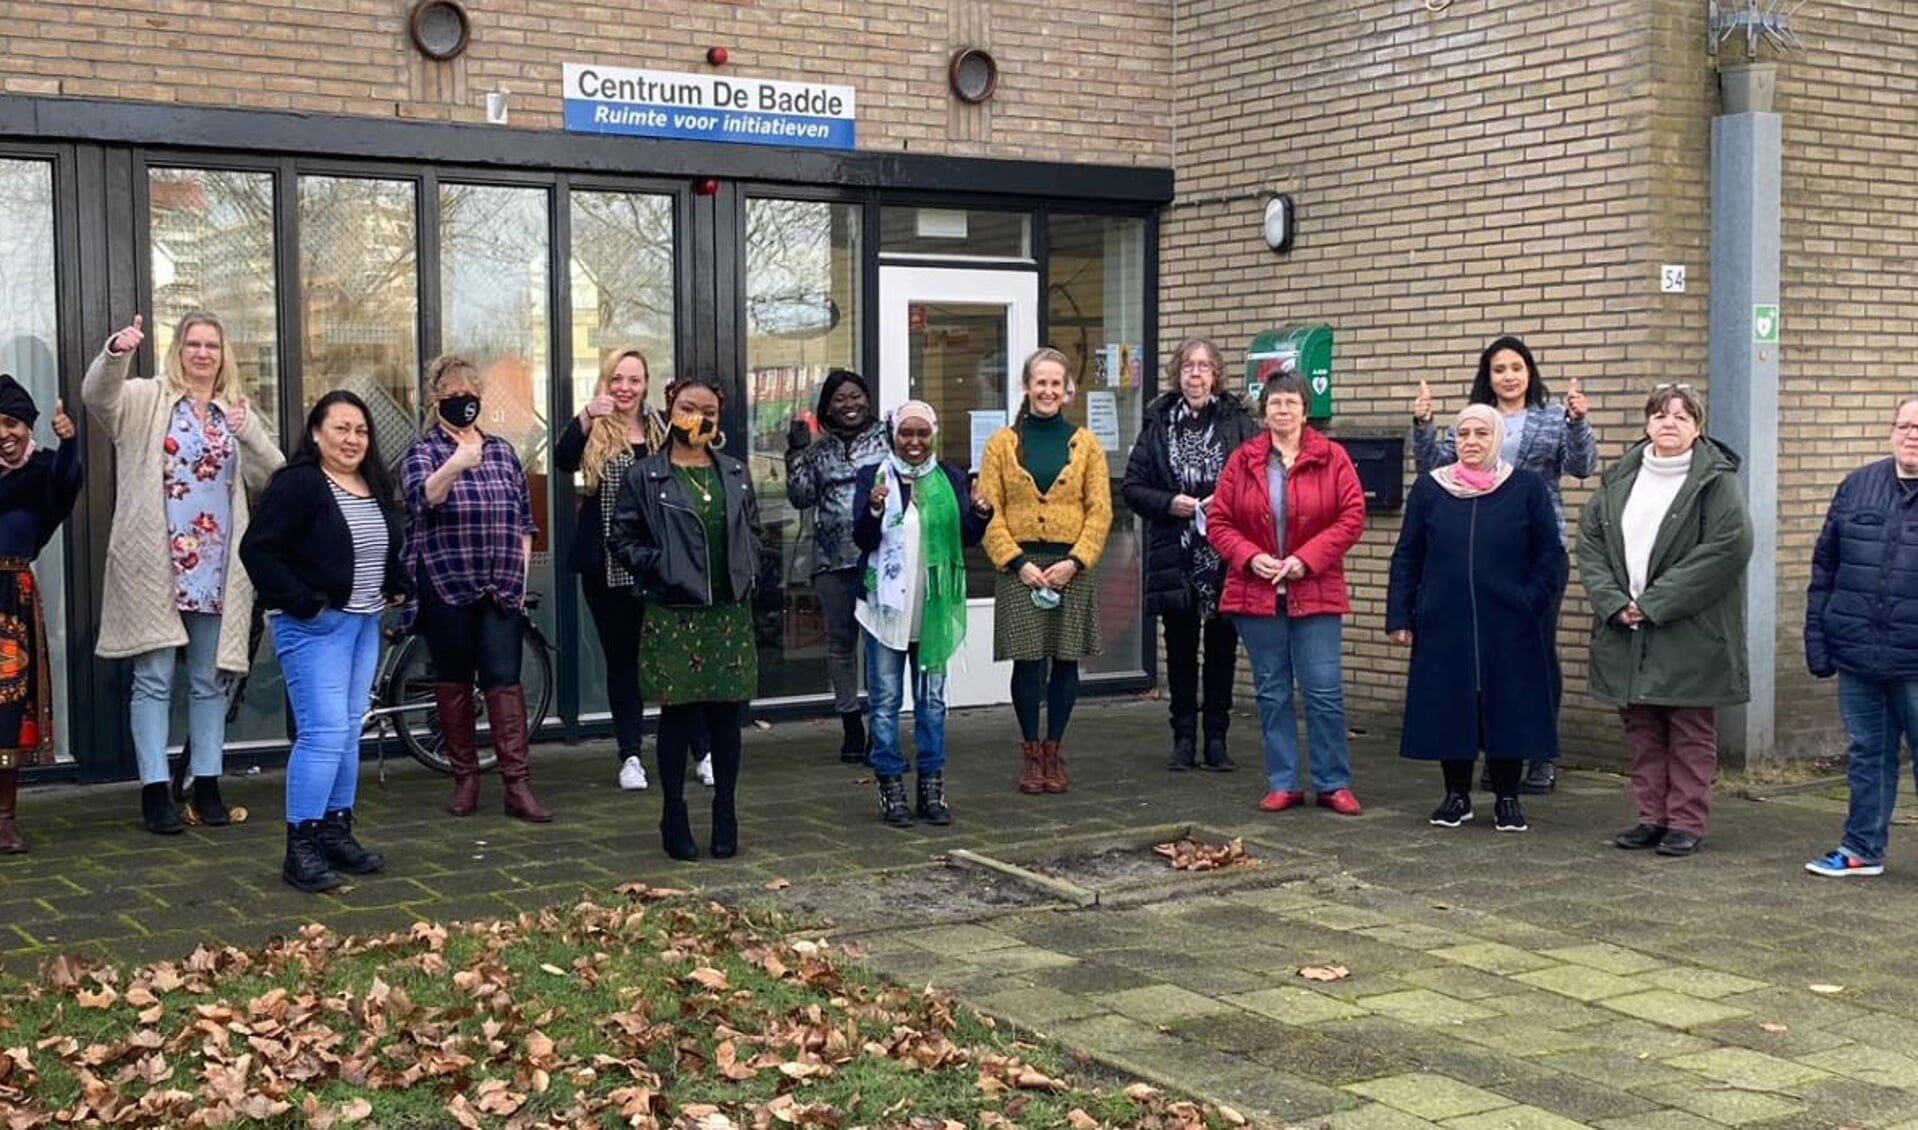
point(693, 429)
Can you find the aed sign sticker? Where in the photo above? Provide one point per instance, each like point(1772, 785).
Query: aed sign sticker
point(1765, 324)
point(704, 107)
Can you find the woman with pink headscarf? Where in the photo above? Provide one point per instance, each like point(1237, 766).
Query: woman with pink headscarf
point(1474, 579)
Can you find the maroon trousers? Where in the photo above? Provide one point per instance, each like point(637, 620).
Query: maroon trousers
point(1674, 759)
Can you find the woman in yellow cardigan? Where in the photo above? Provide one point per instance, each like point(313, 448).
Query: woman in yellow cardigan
point(1052, 505)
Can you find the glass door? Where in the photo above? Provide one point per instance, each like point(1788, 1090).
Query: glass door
point(955, 339)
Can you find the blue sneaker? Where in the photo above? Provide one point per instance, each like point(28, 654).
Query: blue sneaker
point(1838, 865)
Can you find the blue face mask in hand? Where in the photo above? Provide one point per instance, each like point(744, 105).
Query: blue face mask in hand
point(1046, 599)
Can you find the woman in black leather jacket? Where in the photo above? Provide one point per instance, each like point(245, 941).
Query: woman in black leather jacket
point(687, 529)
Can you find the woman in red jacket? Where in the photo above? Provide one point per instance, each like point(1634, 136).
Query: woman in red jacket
point(1287, 509)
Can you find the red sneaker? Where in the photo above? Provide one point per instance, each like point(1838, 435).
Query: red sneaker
point(1340, 801)
point(1277, 801)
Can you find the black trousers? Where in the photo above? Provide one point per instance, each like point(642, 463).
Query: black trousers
point(1183, 633)
point(479, 641)
point(679, 727)
point(616, 620)
point(1505, 773)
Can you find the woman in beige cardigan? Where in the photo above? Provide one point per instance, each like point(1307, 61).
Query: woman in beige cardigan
point(187, 452)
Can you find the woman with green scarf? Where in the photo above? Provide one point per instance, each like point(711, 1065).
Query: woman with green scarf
point(913, 518)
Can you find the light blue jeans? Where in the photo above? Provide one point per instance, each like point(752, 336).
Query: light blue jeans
point(151, 710)
point(1306, 647)
point(886, 684)
point(328, 662)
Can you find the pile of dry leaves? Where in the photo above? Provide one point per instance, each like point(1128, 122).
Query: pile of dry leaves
point(660, 1011)
point(1196, 855)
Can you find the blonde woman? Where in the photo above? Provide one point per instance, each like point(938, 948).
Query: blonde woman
point(614, 431)
point(187, 450)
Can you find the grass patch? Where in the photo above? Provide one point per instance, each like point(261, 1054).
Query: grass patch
point(653, 1010)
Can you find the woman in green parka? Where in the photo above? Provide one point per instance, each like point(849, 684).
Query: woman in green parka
point(1662, 548)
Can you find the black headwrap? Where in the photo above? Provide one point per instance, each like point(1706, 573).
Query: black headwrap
point(15, 401)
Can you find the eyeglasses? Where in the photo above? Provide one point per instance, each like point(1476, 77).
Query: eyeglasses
point(1198, 367)
point(1904, 429)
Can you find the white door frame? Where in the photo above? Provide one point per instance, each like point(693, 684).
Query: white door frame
point(973, 679)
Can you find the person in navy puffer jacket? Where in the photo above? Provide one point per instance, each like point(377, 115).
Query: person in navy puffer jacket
point(1861, 624)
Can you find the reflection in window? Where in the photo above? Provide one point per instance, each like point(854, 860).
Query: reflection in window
point(622, 297)
point(359, 298)
point(802, 320)
point(1095, 305)
point(494, 309)
point(29, 333)
point(950, 233)
point(957, 363)
point(211, 247)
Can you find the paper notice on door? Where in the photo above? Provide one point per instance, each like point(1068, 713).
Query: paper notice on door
point(1102, 417)
point(984, 423)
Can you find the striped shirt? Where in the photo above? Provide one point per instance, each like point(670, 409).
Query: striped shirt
point(367, 525)
point(471, 546)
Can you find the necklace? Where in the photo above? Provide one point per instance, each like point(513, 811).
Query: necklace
point(694, 478)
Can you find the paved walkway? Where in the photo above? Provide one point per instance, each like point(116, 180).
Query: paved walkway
point(1495, 981)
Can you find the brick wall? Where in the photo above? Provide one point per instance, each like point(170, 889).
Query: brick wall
point(1097, 64)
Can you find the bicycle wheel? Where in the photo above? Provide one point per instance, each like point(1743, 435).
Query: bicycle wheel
point(536, 676)
point(410, 688)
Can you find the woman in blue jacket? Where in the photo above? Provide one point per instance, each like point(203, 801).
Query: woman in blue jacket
point(1542, 435)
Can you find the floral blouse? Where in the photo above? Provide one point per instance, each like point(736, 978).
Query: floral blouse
point(197, 473)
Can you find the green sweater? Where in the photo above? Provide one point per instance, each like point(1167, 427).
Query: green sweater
point(1045, 446)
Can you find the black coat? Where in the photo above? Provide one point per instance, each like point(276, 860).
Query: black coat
point(298, 551)
point(1475, 581)
point(1861, 611)
point(1151, 484)
point(658, 537)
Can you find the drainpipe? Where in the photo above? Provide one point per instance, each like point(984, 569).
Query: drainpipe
point(1745, 336)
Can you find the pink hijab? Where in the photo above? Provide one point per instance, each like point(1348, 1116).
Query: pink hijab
point(1462, 481)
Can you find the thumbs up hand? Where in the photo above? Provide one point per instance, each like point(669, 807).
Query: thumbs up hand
point(1575, 406)
point(62, 423)
point(1422, 404)
point(128, 339)
point(236, 416)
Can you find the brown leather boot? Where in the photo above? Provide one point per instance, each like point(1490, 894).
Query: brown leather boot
point(1052, 767)
point(11, 841)
point(506, 713)
point(1032, 778)
point(454, 702)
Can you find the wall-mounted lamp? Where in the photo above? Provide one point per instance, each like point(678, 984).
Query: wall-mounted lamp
point(717, 56)
point(1279, 223)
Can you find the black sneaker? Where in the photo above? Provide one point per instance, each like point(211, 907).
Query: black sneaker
point(1541, 777)
point(1680, 842)
point(1641, 836)
point(1456, 810)
point(1507, 816)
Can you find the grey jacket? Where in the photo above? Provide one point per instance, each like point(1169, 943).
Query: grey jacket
point(1554, 445)
point(658, 537)
point(821, 475)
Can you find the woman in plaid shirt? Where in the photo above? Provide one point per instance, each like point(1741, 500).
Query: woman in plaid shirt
point(469, 543)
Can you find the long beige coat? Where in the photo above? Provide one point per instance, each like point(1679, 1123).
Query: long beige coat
point(140, 613)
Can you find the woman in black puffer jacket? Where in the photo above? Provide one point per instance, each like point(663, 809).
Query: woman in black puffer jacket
point(1188, 433)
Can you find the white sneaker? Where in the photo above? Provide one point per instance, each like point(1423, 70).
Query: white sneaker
point(632, 774)
point(704, 770)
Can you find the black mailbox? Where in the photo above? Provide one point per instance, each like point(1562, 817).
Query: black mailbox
point(1380, 461)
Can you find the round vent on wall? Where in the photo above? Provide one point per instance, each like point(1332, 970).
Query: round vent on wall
point(973, 75)
point(439, 28)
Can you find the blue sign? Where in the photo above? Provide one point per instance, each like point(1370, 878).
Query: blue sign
point(708, 107)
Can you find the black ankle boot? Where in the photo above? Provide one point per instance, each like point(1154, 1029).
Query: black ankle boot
point(1185, 745)
point(1541, 777)
point(892, 802)
point(725, 843)
point(1216, 759)
point(342, 851)
point(207, 804)
point(676, 833)
point(156, 809)
point(852, 751)
point(305, 867)
point(932, 798)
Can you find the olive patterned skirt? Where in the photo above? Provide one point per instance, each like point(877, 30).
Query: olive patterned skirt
point(698, 654)
point(1023, 630)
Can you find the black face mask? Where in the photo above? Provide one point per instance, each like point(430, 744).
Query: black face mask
point(461, 410)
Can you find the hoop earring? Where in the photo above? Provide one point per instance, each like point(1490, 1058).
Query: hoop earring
point(719, 442)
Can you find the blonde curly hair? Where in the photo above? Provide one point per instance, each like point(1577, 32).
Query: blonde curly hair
point(608, 437)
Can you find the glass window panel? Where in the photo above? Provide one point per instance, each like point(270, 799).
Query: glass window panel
point(29, 336)
point(802, 320)
point(495, 297)
point(957, 364)
point(360, 298)
point(955, 233)
point(621, 266)
point(1096, 317)
point(211, 248)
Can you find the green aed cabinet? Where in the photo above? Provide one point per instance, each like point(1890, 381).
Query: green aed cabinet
point(1304, 350)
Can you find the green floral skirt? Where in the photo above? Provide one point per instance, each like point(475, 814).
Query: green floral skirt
point(698, 654)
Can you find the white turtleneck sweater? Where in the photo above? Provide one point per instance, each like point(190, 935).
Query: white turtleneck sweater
point(1659, 478)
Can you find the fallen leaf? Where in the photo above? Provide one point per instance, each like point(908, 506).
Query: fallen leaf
point(1773, 1028)
point(549, 967)
point(1325, 973)
point(762, 725)
point(1826, 988)
point(711, 978)
point(1230, 1115)
point(1080, 1120)
point(778, 884)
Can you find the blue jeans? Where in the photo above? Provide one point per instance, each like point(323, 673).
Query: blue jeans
point(1878, 717)
point(886, 684)
point(151, 710)
point(1306, 647)
point(328, 662)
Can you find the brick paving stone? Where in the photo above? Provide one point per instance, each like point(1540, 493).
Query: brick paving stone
point(1034, 1006)
point(1576, 1098)
point(1722, 1104)
point(959, 939)
point(1457, 981)
point(1869, 1064)
point(1612, 1068)
point(1581, 982)
point(1016, 959)
point(1415, 935)
point(1376, 1116)
point(1606, 958)
point(1747, 1069)
point(1547, 1009)
point(1423, 1006)
point(1431, 1097)
point(1514, 1118)
point(1521, 1037)
point(1160, 1005)
point(1090, 977)
point(1295, 1005)
point(1674, 1010)
point(1661, 1120)
point(1495, 957)
point(1696, 982)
